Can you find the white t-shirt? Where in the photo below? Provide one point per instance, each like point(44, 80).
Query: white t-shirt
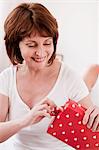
point(35, 137)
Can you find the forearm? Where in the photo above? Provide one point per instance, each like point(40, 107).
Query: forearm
point(91, 76)
point(37, 113)
point(90, 80)
point(10, 128)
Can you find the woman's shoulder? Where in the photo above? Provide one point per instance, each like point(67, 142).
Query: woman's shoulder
point(68, 69)
point(60, 61)
point(8, 71)
point(94, 69)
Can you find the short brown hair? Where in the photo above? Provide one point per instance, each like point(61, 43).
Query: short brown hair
point(22, 21)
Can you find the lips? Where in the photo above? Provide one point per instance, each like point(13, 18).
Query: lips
point(39, 60)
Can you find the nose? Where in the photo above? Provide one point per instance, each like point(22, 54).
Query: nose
point(39, 52)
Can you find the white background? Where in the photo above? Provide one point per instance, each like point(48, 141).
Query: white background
point(78, 33)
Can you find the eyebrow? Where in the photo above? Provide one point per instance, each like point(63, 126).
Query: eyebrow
point(29, 40)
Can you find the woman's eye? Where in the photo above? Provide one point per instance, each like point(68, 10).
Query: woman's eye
point(30, 46)
point(47, 44)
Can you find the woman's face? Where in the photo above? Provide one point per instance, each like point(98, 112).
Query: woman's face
point(36, 50)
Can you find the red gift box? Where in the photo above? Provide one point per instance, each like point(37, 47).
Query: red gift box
point(67, 126)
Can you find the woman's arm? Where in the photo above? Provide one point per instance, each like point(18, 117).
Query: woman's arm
point(9, 128)
point(36, 114)
point(91, 76)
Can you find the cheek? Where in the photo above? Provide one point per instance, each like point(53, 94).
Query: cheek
point(25, 54)
point(24, 51)
point(51, 50)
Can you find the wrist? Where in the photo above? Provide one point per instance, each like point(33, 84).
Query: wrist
point(25, 121)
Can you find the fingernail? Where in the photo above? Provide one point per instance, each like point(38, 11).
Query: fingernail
point(84, 122)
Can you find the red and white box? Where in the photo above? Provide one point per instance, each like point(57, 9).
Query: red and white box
point(67, 126)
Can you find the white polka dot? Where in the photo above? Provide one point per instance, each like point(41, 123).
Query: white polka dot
point(97, 144)
point(73, 105)
point(77, 114)
point(63, 132)
point(67, 116)
point(51, 125)
point(54, 133)
point(79, 122)
point(85, 138)
point(78, 146)
point(70, 123)
point(58, 117)
point(60, 125)
point(87, 145)
point(94, 137)
point(75, 139)
point(82, 130)
point(66, 140)
point(72, 131)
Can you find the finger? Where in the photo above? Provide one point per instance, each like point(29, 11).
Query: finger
point(44, 113)
point(45, 107)
point(87, 114)
point(50, 103)
point(92, 118)
point(96, 124)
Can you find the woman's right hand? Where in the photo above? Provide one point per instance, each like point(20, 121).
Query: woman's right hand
point(38, 112)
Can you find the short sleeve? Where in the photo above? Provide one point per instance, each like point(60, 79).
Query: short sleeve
point(79, 89)
point(4, 82)
point(75, 87)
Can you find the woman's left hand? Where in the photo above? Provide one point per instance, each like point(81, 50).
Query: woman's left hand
point(91, 118)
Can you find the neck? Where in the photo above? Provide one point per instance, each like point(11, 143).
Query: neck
point(35, 72)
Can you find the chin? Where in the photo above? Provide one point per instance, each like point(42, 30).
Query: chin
point(39, 65)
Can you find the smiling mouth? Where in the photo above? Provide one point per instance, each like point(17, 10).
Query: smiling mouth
point(39, 60)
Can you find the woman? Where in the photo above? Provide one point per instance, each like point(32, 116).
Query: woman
point(37, 81)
